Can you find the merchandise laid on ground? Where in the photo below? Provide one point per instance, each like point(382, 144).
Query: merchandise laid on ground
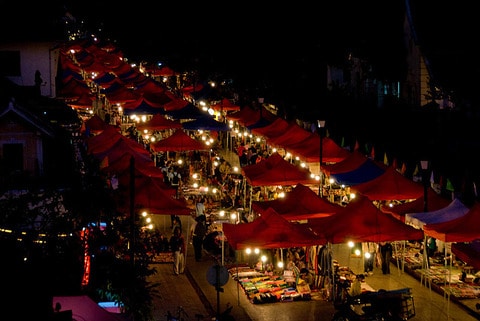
point(456, 283)
point(455, 280)
point(268, 288)
point(163, 257)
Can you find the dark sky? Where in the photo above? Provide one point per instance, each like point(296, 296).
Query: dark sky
point(242, 38)
point(279, 49)
point(233, 30)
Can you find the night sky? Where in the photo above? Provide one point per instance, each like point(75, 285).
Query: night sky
point(279, 51)
point(240, 38)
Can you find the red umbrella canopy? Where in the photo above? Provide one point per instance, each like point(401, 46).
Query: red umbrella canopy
point(434, 202)
point(159, 122)
point(152, 198)
point(142, 178)
point(352, 162)
point(310, 149)
point(118, 148)
point(179, 141)
point(361, 221)
point(109, 135)
point(276, 171)
point(270, 230)
point(461, 229)
point(121, 162)
point(225, 105)
point(299, 204)
point(391, 185)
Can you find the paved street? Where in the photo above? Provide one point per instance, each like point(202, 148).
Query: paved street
point(193, 292)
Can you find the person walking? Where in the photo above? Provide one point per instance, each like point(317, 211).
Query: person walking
point(386, 253)
point(177, 245)
point(198, 235)
point(175, 179)
point(200, 207)
point(176, 223)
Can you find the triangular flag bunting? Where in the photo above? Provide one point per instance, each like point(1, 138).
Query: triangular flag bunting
point(404, 169)
point(104, 162)
point(394, 163)
point(449, 186)
point(357, 147)
point(385, 159)
point(416, 171)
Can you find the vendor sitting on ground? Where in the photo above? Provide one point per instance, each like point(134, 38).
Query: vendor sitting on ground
point(356, 287)
point(308, 277)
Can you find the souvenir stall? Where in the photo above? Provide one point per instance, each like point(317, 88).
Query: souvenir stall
point(461, 281)
point(262, 274)
point(274, 171)
point(366, 223)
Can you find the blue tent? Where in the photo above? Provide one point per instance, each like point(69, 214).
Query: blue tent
point(187, 112)
point(454, 210)
point(205, 123)
point(364, 173)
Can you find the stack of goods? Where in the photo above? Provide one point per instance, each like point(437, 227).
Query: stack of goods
point(261, 288)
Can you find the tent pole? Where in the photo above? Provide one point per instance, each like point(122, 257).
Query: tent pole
point(238, 280)
point(188, 242)
point(223, 247)
point(250, 202)
point(244, 193)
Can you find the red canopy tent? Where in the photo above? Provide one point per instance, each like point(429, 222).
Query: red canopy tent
point(434, 202)
point(452, 211)
point(144, 177)
point(391, 185)
point(152, 198)
point(109, 135)
point(143, 105)
point(310, 150)
point(163, 71)
point(248, 116)
point(293, 135)
point(95, 125)
point(225, 105)
point(119, 148)
point(276, 171)
point(299, 204)
point(274, 129)
point(176, 104)
point(119, 162)
point(159, 122)
point(270, 230)
point(361, 221)
point(120, 94)
point(74, 89)
point(84, 101)
point(468, 252)
point(148, 85)
point(461, 229)
point(350, 163)
point(179, 141)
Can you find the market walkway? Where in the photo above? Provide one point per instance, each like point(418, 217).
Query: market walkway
point(193, 292)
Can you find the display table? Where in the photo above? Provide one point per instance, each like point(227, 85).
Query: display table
point(267, 287)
